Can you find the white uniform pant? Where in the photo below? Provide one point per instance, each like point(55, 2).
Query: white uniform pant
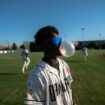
point(85, 56)
point(25, 64)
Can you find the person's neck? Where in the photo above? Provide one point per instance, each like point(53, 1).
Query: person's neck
point(50, 60)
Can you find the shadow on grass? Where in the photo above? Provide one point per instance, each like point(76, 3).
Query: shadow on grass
point(7, 74)
point(73, 61)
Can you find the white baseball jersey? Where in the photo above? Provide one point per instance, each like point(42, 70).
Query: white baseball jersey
point(85, 50)
point(24, 53)
point(49, 86)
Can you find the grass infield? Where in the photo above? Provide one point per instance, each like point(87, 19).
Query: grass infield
point(89, 77)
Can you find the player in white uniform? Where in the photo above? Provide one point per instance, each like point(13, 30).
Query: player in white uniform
point(50, 81)
point(85, 52)
point(25, 58)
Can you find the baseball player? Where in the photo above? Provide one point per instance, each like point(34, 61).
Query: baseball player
point(50, 80)
point(85, 52)
point(25, 58)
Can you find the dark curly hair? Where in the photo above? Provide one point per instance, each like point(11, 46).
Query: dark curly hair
point(22, 46)
point(44, 33)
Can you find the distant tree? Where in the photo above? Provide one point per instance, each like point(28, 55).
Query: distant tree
point(92, 45)
point(14, 46)
point(103, 46)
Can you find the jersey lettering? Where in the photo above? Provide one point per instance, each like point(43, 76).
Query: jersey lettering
point(67, 81)
point(52, 94)
point(58, 88)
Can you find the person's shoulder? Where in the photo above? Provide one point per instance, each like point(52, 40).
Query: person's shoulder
point(62, 61)
point(26, 50)
point(39, 68)
point(38, 72)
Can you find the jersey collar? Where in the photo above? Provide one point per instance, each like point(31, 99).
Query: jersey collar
point(51, 69)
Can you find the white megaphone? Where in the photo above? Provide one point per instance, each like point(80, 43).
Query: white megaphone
point(67, 49)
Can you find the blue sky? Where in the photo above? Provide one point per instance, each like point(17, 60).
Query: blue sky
point(20, 19)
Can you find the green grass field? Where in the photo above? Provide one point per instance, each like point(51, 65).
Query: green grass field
point(89, 77)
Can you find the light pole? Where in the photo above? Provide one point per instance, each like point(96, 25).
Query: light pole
point(100, 40)
point(8, 43)
point(83, 35)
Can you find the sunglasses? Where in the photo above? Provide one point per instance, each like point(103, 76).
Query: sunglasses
point(57, 40)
